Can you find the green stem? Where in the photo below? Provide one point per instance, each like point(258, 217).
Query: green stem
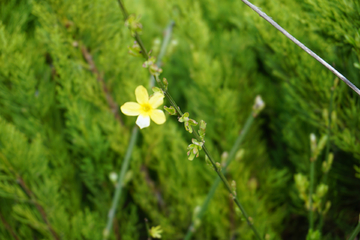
point(196, 135)
point(119, 184)
point(132, 141)
point(216, 183)
point(147, 228)
point(312, 176)
point(355, 232)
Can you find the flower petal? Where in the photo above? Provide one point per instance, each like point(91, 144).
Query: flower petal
point(156, 100)
point(158, 116)
point(130, 109)
point(143, 121)
point(141, 94)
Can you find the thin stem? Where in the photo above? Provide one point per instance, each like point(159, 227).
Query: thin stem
point(110, 100)
point(306, 49)
point(132, 141)
point(147, 228)
point(119, 184)
point(8, 227)
point(216, 183)
point(196, 135)
point(31, 195)
point(312, 176)
point(355, 232)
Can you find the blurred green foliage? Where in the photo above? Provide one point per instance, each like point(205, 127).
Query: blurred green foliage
point(60, 138)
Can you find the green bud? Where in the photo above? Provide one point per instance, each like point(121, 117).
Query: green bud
point(202, 130)
point(224, 157)
point(151, 61)
point(165, 82)
point(184, 117)
point(218, 166)
point(188, 127)
point(313, 145)
point(198, 144)
point(258, 106)
point(322, 143)
point(239, 154)
point(113, 177)
point(207, 161)
point(302, 184)
point(321, 190)
point(155, 70)
point(171, 110)
point(133, 23)
point(327, 207)
point(135, 50)
point(191, 155)
point(233, 186)
point(326, 165)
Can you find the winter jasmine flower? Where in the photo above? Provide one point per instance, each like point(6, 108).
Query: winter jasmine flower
point(145, 108)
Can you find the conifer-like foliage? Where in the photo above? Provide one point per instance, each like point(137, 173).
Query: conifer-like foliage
point(65, 69)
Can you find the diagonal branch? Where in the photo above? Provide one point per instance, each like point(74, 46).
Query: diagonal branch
point(132, 142)
point(31, 195)
point(196, 135)
point(306, 49)
point(8, 227)
point(37, 205)
point(112, 104)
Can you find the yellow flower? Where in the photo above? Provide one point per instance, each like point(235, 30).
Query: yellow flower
point(145, 108)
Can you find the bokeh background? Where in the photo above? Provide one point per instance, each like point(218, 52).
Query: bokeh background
point(61, 137)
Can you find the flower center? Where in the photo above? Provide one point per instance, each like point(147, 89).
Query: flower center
point(146, 107)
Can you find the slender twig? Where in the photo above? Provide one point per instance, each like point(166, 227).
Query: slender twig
point(41, 210)
point(8, 227)
point(31, 195)
point(124, 167)
point(196, 135)
point(112, 104)
point(147, 229)
point(301, 45)
point(215, 184)
point(355, 232)
point(126, 161)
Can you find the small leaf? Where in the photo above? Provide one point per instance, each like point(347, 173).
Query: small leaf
point(171, 110)
point(156, 89)
point(192, 122)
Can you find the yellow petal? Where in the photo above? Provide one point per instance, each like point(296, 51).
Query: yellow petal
point(156, 100)
point(143, 121)
point(130, 109)
point(158, 116)
point(141, 95)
